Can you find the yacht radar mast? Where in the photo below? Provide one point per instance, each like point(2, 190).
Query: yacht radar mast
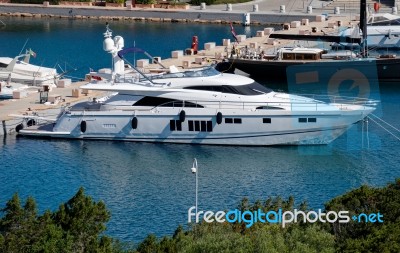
point(113, 46)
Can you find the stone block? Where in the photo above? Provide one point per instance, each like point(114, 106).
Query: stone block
point(75, 93)
point(54, 98)
point(226, 42)
point(305, 21)
point(241, 38)
point(209, 45)
point(177, 54)
point(260, 34)
point(268, 30)
point(320, 18)
point(141, 63)
point(62, 83)
point(295, 24)
point(18, 94)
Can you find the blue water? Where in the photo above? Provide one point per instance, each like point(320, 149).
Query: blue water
point(149, 187)
point(79, 43)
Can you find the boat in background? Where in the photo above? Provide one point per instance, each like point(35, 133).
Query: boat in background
point(7, 89)
point(289, 64)
point(382, 19)
point(379, 37)
point(21, 71)
point(196, 106)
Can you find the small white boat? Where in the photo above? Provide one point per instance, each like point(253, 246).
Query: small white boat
point(21, 71)
point(380, 19)
point(379, 37)
point(7, 89)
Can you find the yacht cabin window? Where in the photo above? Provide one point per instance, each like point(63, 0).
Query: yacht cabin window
point(300, 56)
point(249, 89)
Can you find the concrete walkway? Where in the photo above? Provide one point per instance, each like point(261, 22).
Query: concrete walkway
point(268, 11)
point(273, 6)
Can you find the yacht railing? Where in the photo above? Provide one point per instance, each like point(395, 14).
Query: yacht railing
point(199, 72)
point(336, 99)
point(316, 104)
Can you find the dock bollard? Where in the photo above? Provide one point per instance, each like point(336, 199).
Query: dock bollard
point(309, 9)
point(246, 19)
point(202, 6)
point(228, 7)
point(394, 10)
point(282, 9)
point(4, 127)
point(255, 7)
point(336, 10)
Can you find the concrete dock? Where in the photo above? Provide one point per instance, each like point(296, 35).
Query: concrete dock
point(31, 105)
point(216, 51)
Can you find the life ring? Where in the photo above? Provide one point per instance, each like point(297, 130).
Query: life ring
point(134, 123)
point(219, 118)
point(19, 127)
point(182, 116)
point(83, 126)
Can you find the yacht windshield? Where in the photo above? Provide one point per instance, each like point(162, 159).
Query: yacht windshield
point(249, 89)
point(190, 73)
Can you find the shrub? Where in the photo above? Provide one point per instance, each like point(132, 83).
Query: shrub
point(197, 2)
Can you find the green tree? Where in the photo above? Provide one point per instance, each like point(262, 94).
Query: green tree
point(367, 236)
point(84, 220)
point(76, 227)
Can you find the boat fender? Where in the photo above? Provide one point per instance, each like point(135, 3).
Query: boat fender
point(19, 127)
point(31, 122)
point(83, 126)
point(182, 116)
point(134, 122)
point(219, 118)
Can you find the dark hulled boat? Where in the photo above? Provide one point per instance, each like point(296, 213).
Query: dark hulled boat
point(302, 65)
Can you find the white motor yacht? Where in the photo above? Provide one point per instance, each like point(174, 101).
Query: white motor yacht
point(196, 106)
point(19, 70)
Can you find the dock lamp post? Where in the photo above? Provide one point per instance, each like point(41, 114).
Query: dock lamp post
point(195, 171)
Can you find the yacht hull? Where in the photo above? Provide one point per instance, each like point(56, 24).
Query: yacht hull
point(251, 129)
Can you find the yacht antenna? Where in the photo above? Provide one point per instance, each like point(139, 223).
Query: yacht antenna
point(363, 27)
point(22, 49)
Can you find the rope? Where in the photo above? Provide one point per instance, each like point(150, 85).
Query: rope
point(384, 128)
point(396, 129)
point(367, 123)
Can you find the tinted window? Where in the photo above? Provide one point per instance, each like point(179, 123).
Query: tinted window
point(249, 89)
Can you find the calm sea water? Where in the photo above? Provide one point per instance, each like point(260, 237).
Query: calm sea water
point(79, 43)
point(149, 187)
